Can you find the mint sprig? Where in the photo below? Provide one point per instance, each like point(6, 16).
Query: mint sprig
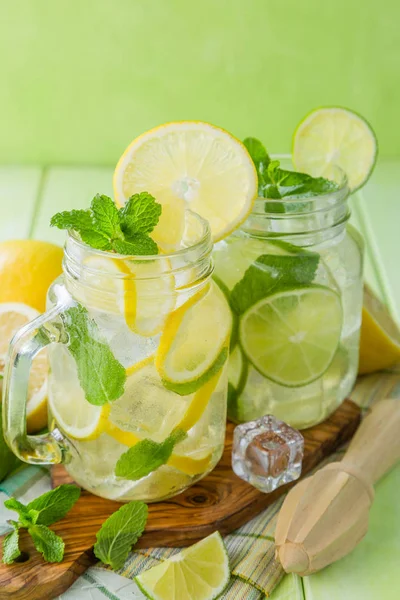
point(270, 273)
point(105, 227)
point(35, 517)
point(146, 456)
point(101, 375)
point(119, 533)
point(275, 183)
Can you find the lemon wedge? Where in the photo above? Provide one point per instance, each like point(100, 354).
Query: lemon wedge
point(380, 336)
point(189, 164)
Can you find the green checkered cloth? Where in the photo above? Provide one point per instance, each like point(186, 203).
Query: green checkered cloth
point(250, 547)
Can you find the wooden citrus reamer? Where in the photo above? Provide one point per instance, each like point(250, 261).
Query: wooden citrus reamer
point(325, 516)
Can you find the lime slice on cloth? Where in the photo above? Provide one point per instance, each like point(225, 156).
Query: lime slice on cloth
point(291, 337)
point(335, 137)
point(200, 572)
point(189, 164)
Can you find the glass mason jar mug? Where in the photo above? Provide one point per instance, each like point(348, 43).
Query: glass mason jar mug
point(293, 277)
point(137, 350)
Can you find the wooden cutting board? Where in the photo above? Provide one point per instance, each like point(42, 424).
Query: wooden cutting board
point(221, 501)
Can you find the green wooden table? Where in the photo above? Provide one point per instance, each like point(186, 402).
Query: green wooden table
point(29, 196)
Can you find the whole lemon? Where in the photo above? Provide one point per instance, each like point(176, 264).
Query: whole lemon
point(27, 268)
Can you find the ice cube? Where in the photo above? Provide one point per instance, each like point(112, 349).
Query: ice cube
point(267, 453)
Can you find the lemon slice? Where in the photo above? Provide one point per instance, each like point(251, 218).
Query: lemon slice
point(144, 299)
point(380, 336)
point(189, 164)
point(200, 572)
point(78, 418)
point(194, 342)
point(331, 137)
point(150, 409)
point(13, 316)
point(291, 337)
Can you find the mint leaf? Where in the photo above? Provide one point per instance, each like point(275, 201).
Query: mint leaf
point(139, 244)
point(72, 219)
point(11, 549)
point(146, 456)
point(101, 375)
point(260, 159)
point(105, 216)
point(49, 544)
point(119, 533)
point(140, 214)
point(271, 273)
point(95, 239)
point(54, 505)
point(14, 504)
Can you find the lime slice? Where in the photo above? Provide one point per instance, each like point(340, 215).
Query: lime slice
point(335, 137)
point(291, 337)
point(200, 572)
point(189, 164)
point(194, 342)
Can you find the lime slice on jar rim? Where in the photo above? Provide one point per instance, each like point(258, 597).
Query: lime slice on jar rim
point(333, 137)
point(291, 336)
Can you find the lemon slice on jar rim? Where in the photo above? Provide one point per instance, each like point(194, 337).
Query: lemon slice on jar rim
point(189, 164)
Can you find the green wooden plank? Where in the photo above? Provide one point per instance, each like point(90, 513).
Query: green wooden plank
point(19, 188)
point(371, 571)
point(380, 215)
point(65, 188)
point(290, 588)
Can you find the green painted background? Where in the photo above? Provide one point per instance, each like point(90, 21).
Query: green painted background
point(81, 78)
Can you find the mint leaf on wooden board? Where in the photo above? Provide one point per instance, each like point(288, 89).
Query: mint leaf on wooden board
point(48, 543)
point(119, 533)
point(11, 549)
point(55, 504)
point(146, 456)
point(14, 504)
point(140, 214)
point(271, 273)
point(101, 375)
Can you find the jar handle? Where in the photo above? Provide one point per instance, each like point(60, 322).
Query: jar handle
point(25, 345)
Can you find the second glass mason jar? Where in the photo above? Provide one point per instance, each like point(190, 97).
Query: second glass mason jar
point(137, 350)
point(293, 277)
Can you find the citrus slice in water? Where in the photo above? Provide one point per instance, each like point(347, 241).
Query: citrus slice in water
point(335, 137)
point(200, 572)
point(13, 315)
point(144, 297)
point(194, 342)
point(74, 414)
point(291, 336)
point(380, 336)
point(189, 164)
